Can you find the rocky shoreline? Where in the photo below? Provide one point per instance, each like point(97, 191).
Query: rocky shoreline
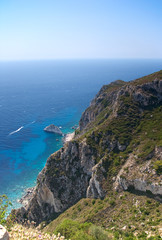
point(24, 200)
point(68, 137)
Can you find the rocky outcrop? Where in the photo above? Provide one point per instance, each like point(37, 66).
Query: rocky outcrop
point(53, 129)
point(106, 97)
point(140, 176)
point(140, 185)
point(88, 164)
point(95, 189)
point(147, 94)
point(3, 233)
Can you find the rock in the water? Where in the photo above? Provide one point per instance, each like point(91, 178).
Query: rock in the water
point(3, 233)
point(53, 129)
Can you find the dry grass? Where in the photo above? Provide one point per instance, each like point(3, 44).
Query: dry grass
point(19, 232)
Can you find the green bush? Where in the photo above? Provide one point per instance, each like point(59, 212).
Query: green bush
point(112, 202)
point(67, 228)
point(143, 235)
point(80, 231)
point(4, 204)
point(158, 166)
point(81, 235)
point(154, 238)
point(71, 229)
point(98, 233)
point(116, 235)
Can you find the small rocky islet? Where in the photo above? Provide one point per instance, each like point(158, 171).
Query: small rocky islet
point(53, 129)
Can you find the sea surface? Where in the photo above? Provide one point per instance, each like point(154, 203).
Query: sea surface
point(34, 94)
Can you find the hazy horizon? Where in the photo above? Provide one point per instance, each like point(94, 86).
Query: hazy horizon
point(77, 59)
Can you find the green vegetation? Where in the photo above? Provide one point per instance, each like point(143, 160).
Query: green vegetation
point(158, 166)
point(118, 215)
point(138, 132)
point(72, 229)
point(98, 233)
point(5, 220)
point(148, 78)
point(81, 231)
point(4, 204)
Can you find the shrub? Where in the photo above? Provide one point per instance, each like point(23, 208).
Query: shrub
point(4, 204)
point(148, 202)
point(116, 235)
point(143, 235)
point(81, 235)
point(80, 231)
point(158, 166)
point(67, 228)
point(71, 229)
point(154, 238)
point(112, 202)
point(98, 233)
point(86, 203)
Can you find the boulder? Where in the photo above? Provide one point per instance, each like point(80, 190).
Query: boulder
point(3, 233)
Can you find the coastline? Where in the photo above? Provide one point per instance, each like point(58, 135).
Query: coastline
point(68, 137)
point(29, 191)
point(31, 142)
point(27, 196)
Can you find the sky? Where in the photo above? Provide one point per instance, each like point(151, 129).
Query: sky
point(67, 29)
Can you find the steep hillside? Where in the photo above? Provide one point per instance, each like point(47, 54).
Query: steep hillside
point(120, 214)
point(118, 147)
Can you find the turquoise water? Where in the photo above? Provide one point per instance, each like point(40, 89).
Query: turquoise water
point(37, 93)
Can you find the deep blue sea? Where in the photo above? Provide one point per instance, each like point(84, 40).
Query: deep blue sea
point(34, 94)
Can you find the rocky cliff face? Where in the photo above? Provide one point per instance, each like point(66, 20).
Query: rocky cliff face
point(147, 94)
point(118, 147)
point(62, 182)
point(141, 177)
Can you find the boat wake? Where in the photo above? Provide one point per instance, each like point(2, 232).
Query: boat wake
point(19, 129)
point(27, 125)
point(16, 130)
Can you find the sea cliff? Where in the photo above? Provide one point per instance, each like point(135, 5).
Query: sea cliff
point(118, 147)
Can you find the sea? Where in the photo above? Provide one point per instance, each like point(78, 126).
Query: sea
point(34, 94)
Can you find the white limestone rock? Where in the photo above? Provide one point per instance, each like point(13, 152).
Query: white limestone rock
point(3, 233)
point(95, 189)
point(53, 129)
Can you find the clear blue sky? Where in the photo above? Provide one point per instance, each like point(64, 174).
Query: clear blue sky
point(47, 29)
